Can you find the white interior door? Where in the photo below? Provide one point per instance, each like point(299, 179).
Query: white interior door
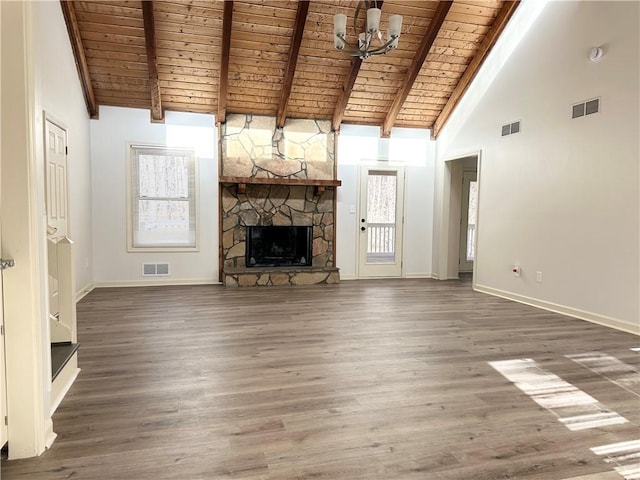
point(381, 222)
point(56, 199)
point(468, 216)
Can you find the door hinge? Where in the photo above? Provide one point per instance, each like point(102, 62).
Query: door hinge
point(6, 420)
point(66, 150)
point(2, 330)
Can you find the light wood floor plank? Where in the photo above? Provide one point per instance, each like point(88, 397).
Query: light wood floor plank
point(384, 379)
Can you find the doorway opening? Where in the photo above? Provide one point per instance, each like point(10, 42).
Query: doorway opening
point(62, 313)
point(460, 216)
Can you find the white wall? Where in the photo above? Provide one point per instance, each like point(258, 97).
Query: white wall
point(58, 93)
point(39, 75)
point(347, 222)
point(561, 197)
point(110, 136)
point(419, 191)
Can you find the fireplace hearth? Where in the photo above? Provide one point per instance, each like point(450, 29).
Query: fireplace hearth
point(279, 246)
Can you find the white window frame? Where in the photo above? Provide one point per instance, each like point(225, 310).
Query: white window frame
point(132, 196)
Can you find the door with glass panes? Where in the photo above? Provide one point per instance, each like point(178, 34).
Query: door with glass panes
point(380, 223)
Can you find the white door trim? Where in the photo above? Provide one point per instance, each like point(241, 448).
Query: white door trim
point(3, 358)
point(447, 223)
point(27, 343)
point(475, 238)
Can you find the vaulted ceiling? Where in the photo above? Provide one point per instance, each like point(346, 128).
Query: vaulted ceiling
point(276, 57)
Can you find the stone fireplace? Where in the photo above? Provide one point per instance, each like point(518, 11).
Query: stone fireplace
point(272, 177)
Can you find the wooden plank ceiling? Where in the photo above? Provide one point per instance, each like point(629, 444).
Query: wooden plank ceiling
point(276, 57)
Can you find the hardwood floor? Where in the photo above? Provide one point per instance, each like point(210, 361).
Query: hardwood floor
point(361, 380)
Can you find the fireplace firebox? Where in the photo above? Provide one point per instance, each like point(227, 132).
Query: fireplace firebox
point(279, 246)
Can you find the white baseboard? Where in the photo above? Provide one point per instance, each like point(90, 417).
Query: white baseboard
point(418, 275)
point(83, 292)
point(407, 275)
point(156, 282)
point(49, 434)
point(348, 277)
point(572, 312)
point(435, 276)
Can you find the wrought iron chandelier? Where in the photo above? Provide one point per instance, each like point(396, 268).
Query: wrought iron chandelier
point(370, 42)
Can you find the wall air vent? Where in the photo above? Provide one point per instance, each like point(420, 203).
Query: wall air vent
point(155, 269)
point(585, 108)
point(511, 128)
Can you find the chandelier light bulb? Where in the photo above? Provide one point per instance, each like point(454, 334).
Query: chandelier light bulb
point(373, 20)
point(395, 25)
point(339, 30)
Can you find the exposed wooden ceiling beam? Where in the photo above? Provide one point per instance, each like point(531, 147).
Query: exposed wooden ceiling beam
point(292, 61)
point(347, 88)
point(345, 93)
point(157, 113)
point(227, 18)
point(69, 13)
point(505, 13)
point(427, 41)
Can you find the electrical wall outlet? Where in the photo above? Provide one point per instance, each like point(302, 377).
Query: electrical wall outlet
point(539, 277)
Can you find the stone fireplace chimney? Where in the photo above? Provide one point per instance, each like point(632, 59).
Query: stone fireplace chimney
point(277, 177)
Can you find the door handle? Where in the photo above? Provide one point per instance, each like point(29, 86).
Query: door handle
point(363, 228)
point(4, 264)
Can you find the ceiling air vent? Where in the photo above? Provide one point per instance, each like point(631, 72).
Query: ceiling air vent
point(585, 108)
point(511, 128)
point(155, 269)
